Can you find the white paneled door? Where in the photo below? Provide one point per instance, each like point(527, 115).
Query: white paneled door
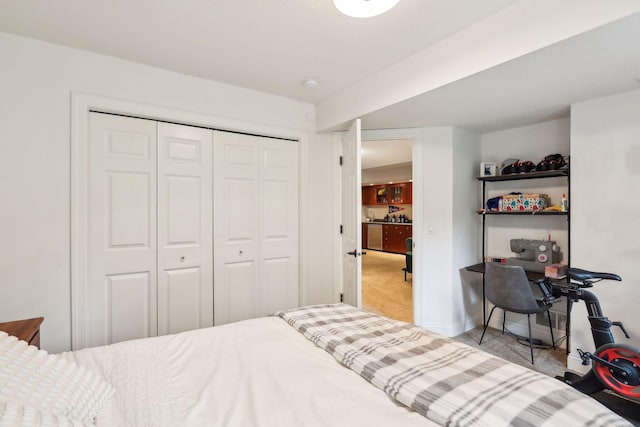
point(150, 229)
point(122, 290)
point(185, 264)
point(351, 215)
point(255, 226)
point(151, 238)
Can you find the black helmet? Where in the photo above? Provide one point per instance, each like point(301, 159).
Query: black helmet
point(551, 162)
point(509, 166)
point(526, 166)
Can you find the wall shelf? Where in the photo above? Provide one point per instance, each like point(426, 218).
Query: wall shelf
point(527, 175)
point(563, 173)
point(538, 213)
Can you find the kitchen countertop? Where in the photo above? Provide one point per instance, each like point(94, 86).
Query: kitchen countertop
point(387, 222)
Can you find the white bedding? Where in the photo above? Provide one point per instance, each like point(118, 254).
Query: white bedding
point(258, 372)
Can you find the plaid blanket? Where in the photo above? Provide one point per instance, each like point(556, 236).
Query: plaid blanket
point(446, 381)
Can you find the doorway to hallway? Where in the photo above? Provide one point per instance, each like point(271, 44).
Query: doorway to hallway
point(387, 215)
point(384, 290)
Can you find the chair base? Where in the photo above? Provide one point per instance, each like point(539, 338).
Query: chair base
point(530, 339)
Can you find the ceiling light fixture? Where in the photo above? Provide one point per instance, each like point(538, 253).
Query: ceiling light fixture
point(364, 8)
point(311, 82)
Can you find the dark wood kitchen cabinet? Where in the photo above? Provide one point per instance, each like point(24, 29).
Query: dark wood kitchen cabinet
point(400, 193)
point(368, 195)
point(387, 194)
point(394, 236)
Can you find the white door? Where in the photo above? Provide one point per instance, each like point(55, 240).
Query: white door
point(278, 225)
point(255, 226)
point(351, 215)
point(185, 252)
point(121, 293)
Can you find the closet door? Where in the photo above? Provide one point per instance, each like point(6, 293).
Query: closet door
point(236, 219)
point(278, 288)
point(121, 293)
point(255, 226)
point(185, 264)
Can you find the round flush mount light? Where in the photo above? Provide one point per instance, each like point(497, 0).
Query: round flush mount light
point(311, 82)
point(364, 8)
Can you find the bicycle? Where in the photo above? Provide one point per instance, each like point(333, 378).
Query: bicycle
point(614, 366)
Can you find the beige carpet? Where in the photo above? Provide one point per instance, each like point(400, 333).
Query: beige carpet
point(384, 290)
point(550, 362)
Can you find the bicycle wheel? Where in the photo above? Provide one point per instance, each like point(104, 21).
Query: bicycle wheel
point(625, 357)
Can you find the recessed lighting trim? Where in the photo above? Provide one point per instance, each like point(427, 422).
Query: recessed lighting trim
point(364, 8)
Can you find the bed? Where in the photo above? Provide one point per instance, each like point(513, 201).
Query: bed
point(326, 365)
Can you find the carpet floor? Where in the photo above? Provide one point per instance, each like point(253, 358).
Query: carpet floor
point(548, 361)
point(384, 290)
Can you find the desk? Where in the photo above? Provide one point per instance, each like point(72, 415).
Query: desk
point(532, 276)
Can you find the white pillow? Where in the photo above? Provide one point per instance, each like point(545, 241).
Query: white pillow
point(13, 414)
point(49, 383)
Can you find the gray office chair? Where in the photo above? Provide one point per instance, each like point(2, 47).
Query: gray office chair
point(408, 257)
point(508, 288)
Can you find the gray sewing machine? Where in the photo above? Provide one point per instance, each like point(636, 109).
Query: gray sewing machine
point(534, 255)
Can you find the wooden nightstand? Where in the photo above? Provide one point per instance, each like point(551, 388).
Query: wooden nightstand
point(26, 330)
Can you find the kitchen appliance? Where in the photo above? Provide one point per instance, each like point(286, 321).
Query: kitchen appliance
point(374, 236)
point(534, 255)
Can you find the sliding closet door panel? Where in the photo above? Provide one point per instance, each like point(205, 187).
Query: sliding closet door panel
point(236, 220)
point(128, 209)
point(241, 195)
point(129, 306)
point(180, 306)
point(279, 225)
point(237, 301)
point(255, 226)
point(121, 292)
point(185, 265)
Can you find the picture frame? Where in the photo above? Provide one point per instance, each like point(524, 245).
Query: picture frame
point(487, 169)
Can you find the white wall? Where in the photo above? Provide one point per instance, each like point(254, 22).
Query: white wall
point(432, 157)
point(318, 224)
point(466, 286)
point(605, 224)
point(36, 82)
point(445, 229)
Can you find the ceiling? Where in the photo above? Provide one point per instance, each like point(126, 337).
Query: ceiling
point(536, 87)
point(267, 45)
point(272, 46)
point(379, 153)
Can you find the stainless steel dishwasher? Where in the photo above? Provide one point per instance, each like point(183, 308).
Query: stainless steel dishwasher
point(374, 236)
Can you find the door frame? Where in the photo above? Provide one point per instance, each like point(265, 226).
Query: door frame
point(416, 135)
point(81, 105)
